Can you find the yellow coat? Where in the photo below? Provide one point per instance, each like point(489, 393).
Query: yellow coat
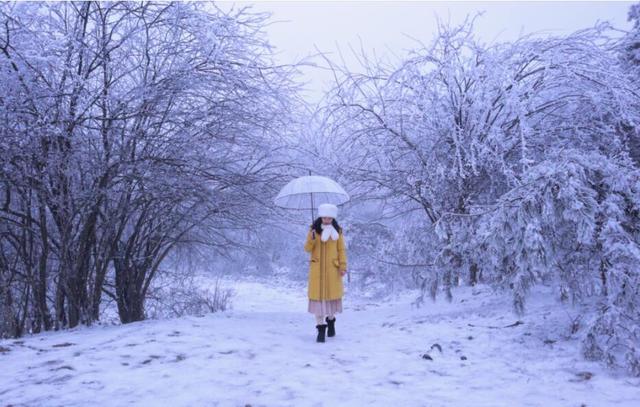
point(326, 261)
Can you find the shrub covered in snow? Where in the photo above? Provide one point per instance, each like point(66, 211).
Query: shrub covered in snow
point(182, 293)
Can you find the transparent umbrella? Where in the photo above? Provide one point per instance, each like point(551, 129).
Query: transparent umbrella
point(307, 191)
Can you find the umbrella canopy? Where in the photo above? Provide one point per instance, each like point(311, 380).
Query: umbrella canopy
point(307, 191)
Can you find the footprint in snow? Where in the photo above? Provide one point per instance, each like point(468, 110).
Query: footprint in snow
point(151, 358)
point(65, 367)
point(582, 377)
point(55, 380)
point(63, 345)
point(52, 362)
point(436, 346)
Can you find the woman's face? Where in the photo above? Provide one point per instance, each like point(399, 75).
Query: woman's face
point(326, 220)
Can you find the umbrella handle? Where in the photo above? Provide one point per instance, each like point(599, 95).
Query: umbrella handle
point(311, 203)
point(312, 208)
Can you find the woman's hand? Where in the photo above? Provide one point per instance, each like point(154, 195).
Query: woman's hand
point(343, 272)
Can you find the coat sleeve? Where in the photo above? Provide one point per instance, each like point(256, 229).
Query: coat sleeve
point(308, 245)
point(342, 253)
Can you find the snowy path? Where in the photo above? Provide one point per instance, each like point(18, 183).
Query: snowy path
point(263, 352)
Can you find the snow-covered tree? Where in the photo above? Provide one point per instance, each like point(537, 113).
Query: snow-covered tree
point(519, 157)
point(127, 130)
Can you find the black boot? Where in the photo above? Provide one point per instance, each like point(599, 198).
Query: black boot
point(331, 325)
point(321, 330)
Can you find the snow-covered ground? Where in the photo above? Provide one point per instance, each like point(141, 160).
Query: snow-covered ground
point(263, 353)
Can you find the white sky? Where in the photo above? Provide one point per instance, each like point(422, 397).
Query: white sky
point(387, 27)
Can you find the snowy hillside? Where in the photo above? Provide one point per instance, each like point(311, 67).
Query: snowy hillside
point(263, 353)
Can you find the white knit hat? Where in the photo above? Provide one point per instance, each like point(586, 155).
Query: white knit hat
point(327, 209)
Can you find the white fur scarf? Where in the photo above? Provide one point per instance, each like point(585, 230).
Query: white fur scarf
point(328, 231)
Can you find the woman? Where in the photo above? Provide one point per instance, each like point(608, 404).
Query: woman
point(328, 264)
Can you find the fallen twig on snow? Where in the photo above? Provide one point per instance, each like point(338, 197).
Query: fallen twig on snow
point(498, 327)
